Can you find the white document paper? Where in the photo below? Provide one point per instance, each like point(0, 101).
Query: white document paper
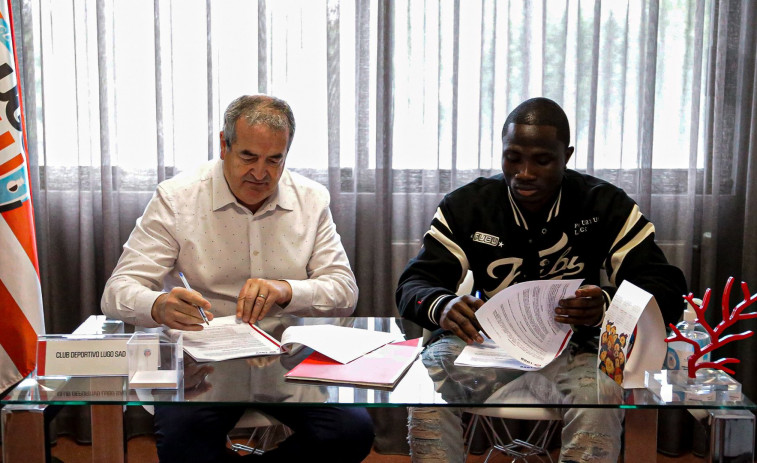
point(157, 379)
point(228, 338)
point(340, 343)
point(520, 320)
point(632, 313)
point(489, 354)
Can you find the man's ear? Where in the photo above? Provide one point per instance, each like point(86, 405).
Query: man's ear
point(223, 145)
point(568, 154)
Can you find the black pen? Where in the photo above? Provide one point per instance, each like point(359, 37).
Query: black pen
point(186, 285)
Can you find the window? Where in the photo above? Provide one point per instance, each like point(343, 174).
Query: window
point(144, 80)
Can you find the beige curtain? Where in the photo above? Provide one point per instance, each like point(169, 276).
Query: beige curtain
point(397, 103)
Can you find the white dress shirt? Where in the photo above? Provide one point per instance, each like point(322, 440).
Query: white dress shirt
point(194, 224)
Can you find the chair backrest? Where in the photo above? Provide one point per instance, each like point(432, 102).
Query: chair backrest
point(252, 418)
point(466, 287)
point(511, 394)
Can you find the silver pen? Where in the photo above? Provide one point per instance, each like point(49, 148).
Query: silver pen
point(186, 285)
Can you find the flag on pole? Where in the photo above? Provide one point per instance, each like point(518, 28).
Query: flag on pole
point(21, 318)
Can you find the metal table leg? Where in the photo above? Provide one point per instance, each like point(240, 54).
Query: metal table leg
point(731, 436)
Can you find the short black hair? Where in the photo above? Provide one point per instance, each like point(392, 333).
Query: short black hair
point(540, 111)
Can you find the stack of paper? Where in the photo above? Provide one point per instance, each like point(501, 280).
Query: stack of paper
point(227, 338)
point(520, 320)
point(340, 343)
point(381, 368)
point(342, 354)
point(489, 354)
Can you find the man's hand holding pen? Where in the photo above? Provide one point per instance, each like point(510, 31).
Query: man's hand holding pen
point(178, 309)
point(199, 309)
point(459, 317)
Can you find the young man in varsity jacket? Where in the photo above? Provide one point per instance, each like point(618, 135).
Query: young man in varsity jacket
point(537, 220)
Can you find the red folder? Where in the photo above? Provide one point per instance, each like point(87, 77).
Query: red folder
point(381, 368)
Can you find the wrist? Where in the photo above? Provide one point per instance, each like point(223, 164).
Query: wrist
point(156, 312)
point(286, 293)
point(605, 305)
point(438, 307)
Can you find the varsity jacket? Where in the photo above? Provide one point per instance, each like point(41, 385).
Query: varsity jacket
point(591, 227)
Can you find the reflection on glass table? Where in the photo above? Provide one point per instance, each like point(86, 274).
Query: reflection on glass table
point(260, 380)
point(246, 380)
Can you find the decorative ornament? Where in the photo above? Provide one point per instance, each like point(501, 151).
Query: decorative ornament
point(716, 334)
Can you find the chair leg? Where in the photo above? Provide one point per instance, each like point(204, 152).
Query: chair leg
point(469, 433)
point(518, 449)
point(246, 448)
point(259, 448)
point(263, 443)
point(523, 449)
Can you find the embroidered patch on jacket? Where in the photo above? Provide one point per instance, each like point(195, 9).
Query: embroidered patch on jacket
point(485, 238)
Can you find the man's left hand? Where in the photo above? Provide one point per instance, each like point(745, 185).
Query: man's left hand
point(586, 308)
point(258, 296)
point(196, 378)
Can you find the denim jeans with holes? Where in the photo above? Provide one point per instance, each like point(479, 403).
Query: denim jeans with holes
point(588, 434)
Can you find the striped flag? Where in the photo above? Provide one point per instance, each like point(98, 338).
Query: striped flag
point(21, 318)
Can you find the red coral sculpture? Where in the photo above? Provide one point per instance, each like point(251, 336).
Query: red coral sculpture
point(729, 318)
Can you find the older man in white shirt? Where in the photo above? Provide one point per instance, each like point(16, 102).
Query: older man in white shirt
point(254, 240)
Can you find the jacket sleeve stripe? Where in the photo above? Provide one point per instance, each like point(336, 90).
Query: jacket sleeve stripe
point(431, 313)
point(616, 259)
point(438, 215)
point(633, 217)
point(452, 247)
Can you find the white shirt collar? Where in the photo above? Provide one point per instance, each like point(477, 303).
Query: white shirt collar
point(283, 197)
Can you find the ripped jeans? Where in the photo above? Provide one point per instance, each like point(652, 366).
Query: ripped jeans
point(588, 434)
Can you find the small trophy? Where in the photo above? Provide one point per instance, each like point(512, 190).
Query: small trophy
point(705, 380)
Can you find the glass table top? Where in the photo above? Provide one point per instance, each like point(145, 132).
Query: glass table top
point(260, 380)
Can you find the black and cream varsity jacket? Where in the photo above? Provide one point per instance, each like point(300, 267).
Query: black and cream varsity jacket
point(591, 227)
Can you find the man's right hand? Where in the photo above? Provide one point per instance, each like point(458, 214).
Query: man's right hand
point(177, 309)
point(459, 317)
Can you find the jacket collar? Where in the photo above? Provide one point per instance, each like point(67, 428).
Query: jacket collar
point(520, 218)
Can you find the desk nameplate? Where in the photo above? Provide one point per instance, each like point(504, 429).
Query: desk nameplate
point(75, 355)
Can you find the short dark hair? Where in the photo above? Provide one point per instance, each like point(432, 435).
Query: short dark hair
point(540, 111)
point(270, 111)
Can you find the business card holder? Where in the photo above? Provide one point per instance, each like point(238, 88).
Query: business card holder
point(155, 360)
